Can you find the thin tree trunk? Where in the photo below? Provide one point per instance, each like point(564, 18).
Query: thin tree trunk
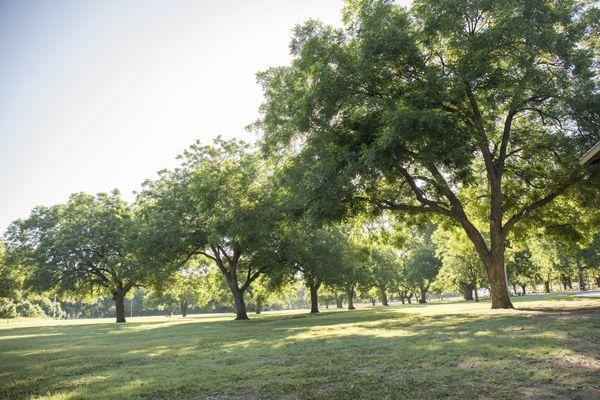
point(409, 297)
point(339, 302)
point(350, 295)
point(384, 298)
point(564, 283)
point(77, 308)
point(476, 292)
point(184, 308)
point(327, 303)
point(314, 299)
point(580, 276)
point(523, 287)
point(258, 307)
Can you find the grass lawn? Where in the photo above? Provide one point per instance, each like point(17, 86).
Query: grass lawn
point(547, 348)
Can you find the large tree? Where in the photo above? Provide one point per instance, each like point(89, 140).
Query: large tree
point(218, 204)
point(400, 110)
point(85, 245)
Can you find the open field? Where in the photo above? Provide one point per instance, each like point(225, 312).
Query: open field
point(548, 348)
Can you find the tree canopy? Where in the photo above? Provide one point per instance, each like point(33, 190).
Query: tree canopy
point(400, 110)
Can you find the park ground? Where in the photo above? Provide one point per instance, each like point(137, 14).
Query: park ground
point(547, 348)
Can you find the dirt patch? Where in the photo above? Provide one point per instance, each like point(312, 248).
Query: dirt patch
point(580, 361)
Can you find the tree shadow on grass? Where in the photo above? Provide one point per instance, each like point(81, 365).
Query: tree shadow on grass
point(374, 353)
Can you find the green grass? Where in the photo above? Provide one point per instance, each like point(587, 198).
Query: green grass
point(547, 348)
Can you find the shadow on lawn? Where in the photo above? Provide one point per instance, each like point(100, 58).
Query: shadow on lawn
point(373, 353)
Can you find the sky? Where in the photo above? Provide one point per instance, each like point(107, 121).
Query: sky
point(96, 95)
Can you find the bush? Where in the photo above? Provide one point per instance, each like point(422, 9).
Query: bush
point(8, 309)
point(27, 309)
point(50, 307)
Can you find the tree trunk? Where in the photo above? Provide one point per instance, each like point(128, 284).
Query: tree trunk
point(497, 279)
point(350, 295)
point(258, 307)
point(77, 308)
point(184, 308)
point(409, 297)
point(423, 298)
point(476, 292)
point(546, 286)
point(570, 283)
point(523, 287)
point(384, 299)
point(240, 304)
point(339, 302)
point(119, 297)
point(468, 292)
point(314, 299)
point(580, 276)
point(373, 301)
point(327, 303)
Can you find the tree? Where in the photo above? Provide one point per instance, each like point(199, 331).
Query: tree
point(11, 275)
point(461, 266)
point(82, 246)
point(385, 268)
point(422, 264)
point(520, 269)
point(589, 258)
point(183, 289)
point(401, 109)
point(218, 204)
point(317, 254)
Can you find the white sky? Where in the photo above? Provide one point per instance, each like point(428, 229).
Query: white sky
point(98, 95)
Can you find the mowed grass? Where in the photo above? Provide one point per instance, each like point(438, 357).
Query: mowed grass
point(547, 348)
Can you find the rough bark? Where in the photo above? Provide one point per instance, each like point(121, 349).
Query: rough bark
point(497, 279)
point(546, 286)
point(239, 303)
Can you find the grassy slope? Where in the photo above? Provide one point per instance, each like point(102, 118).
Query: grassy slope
point(546, 349)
